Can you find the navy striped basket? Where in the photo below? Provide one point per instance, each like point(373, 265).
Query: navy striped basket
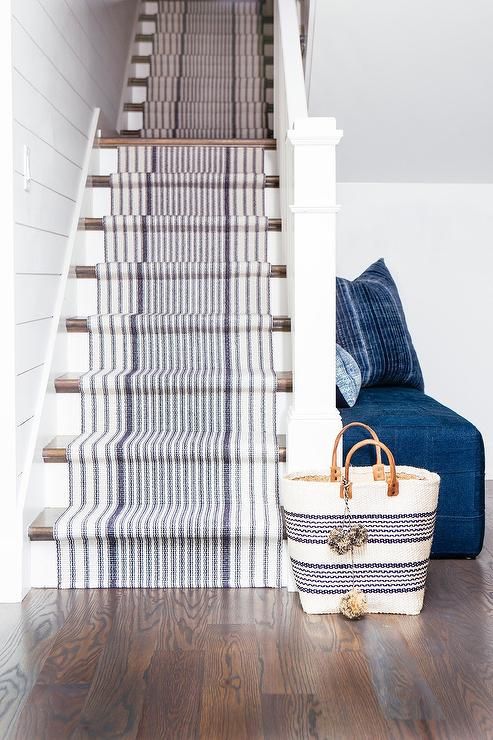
point(398, 513)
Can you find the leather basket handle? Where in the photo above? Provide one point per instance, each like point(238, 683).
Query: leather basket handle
point(392, 484)
point(335, 470)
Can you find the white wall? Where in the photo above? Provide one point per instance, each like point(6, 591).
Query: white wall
point(10, 547)
point(68, 58)
point(410, 84)
point(437, 240)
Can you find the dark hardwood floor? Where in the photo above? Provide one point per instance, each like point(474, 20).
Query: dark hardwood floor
point(249, 664)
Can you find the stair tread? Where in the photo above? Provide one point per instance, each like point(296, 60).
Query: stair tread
point(148, 38)
point(147, 58)
point(140, 107)
point(104, 181)
point(153, 17)
point(70, 382)
point(144, 81)
point(113, 142)
point(88, 272)
point(56, 450)
point(78, 324)
point(135, 134)
point(97, 224)
point(41, 529)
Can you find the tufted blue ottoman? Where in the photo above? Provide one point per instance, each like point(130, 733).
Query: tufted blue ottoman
point(423, 433)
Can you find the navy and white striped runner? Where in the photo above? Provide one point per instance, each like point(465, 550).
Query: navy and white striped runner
point(206, 7)
point(196, 159)
point(225, 130)
point(203, 66)
point(211, 44)
point(222, 120)
point(190, 194)
point(173, 482)
point(187, 98)
point(208, 72)
point(185, 238)
point(174, 478)
point(217, 23)
point(183, 287)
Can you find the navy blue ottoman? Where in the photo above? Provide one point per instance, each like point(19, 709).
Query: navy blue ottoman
point(423, 433)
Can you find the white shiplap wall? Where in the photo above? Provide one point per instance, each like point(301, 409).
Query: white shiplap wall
point(69, 57)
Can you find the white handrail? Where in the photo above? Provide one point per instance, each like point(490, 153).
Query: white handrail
point(288, 60)
point(306, 155)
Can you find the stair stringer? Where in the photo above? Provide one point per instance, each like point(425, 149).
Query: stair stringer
point(33, 493)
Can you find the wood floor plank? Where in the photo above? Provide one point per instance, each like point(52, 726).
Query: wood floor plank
point(116, 697)
point(173, 695)
point(345, 708)
point(231, 702)
point(80, 642)
point(401, 689)
point(247, 605)
point(292, 717)
point(24, 652)
point(301, 650)
point(51, 712)
point(265, 611)
point(443, 677)
point(407, 729)
point(186, 614)
point(351, 708)
point(460, 615)
point(59, 695)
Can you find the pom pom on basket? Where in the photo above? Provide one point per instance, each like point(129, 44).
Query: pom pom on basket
point(344, 540)
point(354, 604)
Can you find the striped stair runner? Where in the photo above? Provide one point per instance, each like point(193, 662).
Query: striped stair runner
point(174, 479)
point(208, 72)
point(177, 45)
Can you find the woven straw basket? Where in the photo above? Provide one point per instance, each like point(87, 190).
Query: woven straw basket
point(396, 506)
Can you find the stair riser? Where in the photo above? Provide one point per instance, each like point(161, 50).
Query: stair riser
point(134, 120)
point(146, 48)
point(141, 69)
point(138, 93)
point(87, 297)
point(90, 248)
point(150, 7)
point(69, 416)
point(105, 161)
point(44, 566)
point(97, 203)
point(78, 353)
point(149, 26)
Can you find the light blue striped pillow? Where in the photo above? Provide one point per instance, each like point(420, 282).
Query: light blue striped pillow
point(348, 378)
point(371, 326)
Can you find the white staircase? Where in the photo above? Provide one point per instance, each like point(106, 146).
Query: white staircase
point(304, 302)
point(81, 294)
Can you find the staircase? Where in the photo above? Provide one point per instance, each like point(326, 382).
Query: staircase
point(169, 257)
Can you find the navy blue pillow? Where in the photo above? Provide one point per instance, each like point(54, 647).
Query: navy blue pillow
point(371, 326)
point(348, 379)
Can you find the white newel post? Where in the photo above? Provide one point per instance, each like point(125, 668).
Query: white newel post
point(314, 419)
